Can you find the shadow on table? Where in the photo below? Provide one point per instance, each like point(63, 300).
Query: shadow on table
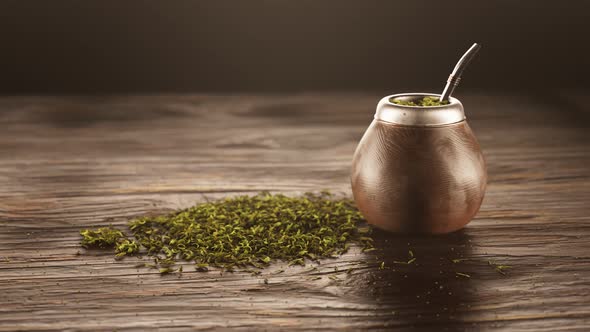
point(422, 282)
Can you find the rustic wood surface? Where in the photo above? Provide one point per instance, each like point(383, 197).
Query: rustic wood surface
point(68, 163)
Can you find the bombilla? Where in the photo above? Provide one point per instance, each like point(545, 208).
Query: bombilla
point(455, 76)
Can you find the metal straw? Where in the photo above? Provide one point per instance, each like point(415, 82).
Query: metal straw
point(455, 76)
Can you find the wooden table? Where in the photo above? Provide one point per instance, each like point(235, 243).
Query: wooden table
point(74, 162)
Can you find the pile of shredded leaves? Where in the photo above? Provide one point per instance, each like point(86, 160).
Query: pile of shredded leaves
point(245, 231)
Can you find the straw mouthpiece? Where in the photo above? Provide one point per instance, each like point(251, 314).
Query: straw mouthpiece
point(455, 76)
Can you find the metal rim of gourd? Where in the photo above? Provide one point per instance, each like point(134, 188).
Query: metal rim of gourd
point(424, 116)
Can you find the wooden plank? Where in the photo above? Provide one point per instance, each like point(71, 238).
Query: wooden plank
point(73, 162)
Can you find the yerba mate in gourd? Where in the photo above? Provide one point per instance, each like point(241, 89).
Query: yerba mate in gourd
point(419, 168)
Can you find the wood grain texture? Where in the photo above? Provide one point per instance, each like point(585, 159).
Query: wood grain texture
point(72, 162)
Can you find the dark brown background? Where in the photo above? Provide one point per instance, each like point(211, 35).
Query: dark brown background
point(280, 45)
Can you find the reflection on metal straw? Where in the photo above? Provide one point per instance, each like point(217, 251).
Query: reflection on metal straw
point(455, 76)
